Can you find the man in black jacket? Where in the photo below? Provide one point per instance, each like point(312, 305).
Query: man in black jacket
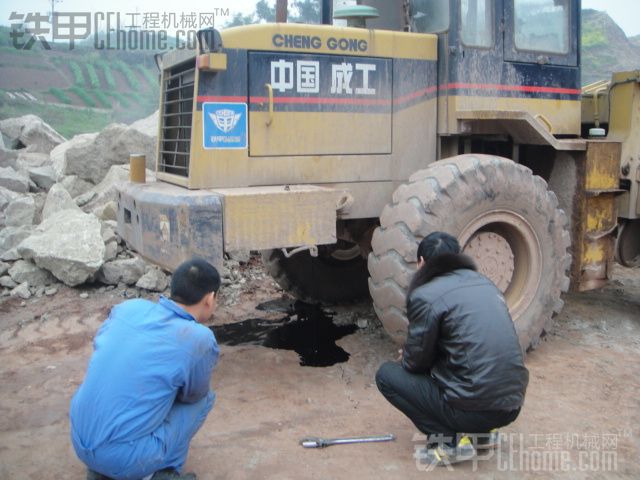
point(462, 368)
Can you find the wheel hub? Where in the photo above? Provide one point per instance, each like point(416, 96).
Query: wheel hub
point(494, 258)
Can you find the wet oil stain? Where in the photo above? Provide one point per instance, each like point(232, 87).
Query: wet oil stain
point(307, 329)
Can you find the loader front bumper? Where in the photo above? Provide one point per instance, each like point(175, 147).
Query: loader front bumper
point(168, 224)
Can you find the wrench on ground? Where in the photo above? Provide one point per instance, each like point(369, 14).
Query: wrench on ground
point(317, 442)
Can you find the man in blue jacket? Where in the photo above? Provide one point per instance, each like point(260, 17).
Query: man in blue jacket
point(146, 391)
point(462, 368)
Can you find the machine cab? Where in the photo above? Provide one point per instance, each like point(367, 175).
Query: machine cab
point(502, 60)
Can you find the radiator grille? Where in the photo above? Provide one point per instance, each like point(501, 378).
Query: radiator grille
point(177, 112)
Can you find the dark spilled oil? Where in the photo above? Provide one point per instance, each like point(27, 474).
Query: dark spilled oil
point(307, 329)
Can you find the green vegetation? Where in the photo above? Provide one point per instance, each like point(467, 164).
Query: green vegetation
point(132, 80)
point(593, 38)
point(93, 76)
point(30, 66)
point(60, 95)
point(102, 98)
point(151, 78)
point(84, 96)
point(120, 98)
point(108, 75)
point(67, 121)
point(78, 78)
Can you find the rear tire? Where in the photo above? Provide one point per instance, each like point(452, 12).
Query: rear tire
point(324, 278)
point(628, 243)
point(503, 216)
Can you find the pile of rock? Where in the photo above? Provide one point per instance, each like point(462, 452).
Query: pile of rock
point(58, 207)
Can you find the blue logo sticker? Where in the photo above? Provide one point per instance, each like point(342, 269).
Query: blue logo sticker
point(224, 125)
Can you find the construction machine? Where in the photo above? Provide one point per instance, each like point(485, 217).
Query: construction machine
point(335, 149)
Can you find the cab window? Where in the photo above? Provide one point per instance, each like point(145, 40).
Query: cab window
point(476, 19)
point(542, 25)
point(429, 16)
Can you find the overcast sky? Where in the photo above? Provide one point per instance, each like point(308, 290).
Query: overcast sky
point(625, 12)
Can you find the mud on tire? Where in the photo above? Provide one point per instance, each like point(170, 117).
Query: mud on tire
point(475, 197)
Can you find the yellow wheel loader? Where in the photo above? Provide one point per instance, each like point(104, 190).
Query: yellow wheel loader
point(334, 150)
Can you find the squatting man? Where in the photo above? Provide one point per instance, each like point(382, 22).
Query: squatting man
point(146, 391)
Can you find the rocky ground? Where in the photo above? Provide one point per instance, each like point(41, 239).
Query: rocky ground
point(580, 419)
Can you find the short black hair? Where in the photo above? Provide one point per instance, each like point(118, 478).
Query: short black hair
point(437, 243)
point(192, 280)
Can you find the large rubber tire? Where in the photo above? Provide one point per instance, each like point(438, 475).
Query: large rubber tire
point(318, 279)
point(475, 198)
point(628, 243)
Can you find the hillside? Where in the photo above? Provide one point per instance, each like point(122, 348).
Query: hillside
point(605, 47)
point(77, 91)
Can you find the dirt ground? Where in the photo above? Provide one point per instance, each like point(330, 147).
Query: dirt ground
point(581, 418)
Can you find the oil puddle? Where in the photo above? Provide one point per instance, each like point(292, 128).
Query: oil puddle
point(306, 329)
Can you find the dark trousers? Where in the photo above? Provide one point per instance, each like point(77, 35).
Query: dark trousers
point(419, 398)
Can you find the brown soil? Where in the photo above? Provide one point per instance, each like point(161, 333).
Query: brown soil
point(580, 419)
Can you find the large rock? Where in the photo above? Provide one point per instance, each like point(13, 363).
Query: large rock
point(69, 244)
point(10, 237)
point(108, 211)
point(148, 126)
point(27, 160)
point(24, 271)
point(13, 180)
point(126, 271)
point(8, 158)
point(44, 176)
point(7, 282)
point(6, 197)
point(39, 198)
point(20, 211)
point(75, 185)
point(154, 280)
point(110, 241)
point(90, 157)
point(58, 199)
point(106, 191)
point(32, 132)
point(22, 291)
point(67, 155)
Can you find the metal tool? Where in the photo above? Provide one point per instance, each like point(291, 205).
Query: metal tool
point(317, 442)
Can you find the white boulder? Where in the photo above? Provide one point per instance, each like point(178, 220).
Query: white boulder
point(154, 280)
point(32, 132)
point(127, 271)
point(24, 271)
point(91, 156)
point(44, 176)
point(69, 244)
point(20, 211)
point(58, 199)
point(13, 180)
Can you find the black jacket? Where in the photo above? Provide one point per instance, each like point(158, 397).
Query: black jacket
point(460, 332)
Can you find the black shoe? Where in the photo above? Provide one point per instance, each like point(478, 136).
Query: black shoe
point(91, 475)
point(172, 474)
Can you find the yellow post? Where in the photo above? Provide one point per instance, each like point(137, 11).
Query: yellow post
point(137, 169)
